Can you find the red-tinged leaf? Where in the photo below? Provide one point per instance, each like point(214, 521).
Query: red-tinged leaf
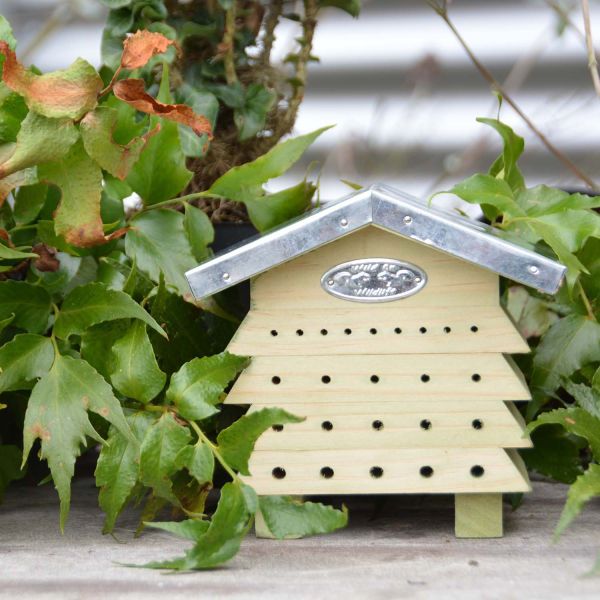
point(24, 177)
point(69, 93)
point(133, 92)
point(80, 180)
point(140, 47)
point(97, 128)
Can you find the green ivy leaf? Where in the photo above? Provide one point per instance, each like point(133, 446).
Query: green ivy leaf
point(271, 210)
point(576, 421)
point(289, 518)
point(190, 529)
point(117, 470)
point(57, 415)
point(4, 323)
point(532, 315)
point(586, 487)
point(160, 447)
point(237, 441)
point(203, 103)
point(10, 459)
point(94, 303)
point(568, 345)
point(25, 358)
point(200, 383)
point(158, 244)
point(199, 230)
point(352, 7)
point(198, 460)
point(223, 538)
point(136, 373)
point(244, 183)
point(29, 303)
point(12, 112)
point(586, 397)
point(160, 173)
point(251, 117)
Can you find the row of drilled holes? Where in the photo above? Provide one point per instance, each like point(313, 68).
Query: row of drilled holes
point(377, 472)
point(425, 378)
point(425, 424)
point(374, 331)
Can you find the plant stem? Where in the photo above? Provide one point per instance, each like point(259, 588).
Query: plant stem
point(586, 302)
point(202, 436)
point(180, 200)
point(592, 63)
point(229, 45)
point(487, 75)
point(271, 22)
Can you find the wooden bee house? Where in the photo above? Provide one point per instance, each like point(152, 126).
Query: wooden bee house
point(378, 319)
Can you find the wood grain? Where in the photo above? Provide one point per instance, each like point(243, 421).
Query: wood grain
point(478, 516)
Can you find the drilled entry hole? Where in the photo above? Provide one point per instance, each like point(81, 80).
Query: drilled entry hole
point(327, 472)
point(327, 425)
point(377, 425)
point(474, 328)
point(274, 332)
point(476, 377)
point(426, 471)
point(398, 330)
point(447, 329)
point(348, 331)
point(276, 379)
point(374, 378)
point(425, 424)
point(278, 472)
point(423, 329)
point(373, 331)
point(277, 427)
point(299, 332)
point(477, 470)
point(477, 424)
point(376, 472)
point(425, 378)
point(326, 379)
point(324, 332)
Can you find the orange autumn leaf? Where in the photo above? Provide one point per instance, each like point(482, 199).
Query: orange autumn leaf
point(69, 93)
point(140, 47)
point(134, 93)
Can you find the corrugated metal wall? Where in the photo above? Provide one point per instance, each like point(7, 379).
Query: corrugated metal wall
point(400, 88)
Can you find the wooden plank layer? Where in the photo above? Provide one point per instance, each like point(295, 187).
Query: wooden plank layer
point(478, 516)
point(280, 380)
point(386, 471)
point(384, 329)
point(494, 426)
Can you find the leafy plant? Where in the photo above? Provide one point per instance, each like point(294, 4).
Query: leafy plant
point(563, 371)
point(100, 342)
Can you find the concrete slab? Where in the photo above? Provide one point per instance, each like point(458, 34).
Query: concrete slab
point(401, 548)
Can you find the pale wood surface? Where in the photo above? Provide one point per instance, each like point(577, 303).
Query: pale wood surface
point(397, 327)
point(478, 516)
point(401, 471)
point(400, 378)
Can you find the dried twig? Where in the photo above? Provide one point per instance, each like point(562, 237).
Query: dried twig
point(271, 22)
point(592, 63)
point(228, 44)
point(441, 9)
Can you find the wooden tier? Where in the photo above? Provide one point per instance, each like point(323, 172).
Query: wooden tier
point(470, 378)
point(382, 329)
point(419, 425)
point(415, 470)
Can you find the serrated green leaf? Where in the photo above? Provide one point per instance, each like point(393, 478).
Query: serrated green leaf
point(544, 200)
point(200, 383)
point(7, 253)
point(570, 343)
point(586, 397)
point(200, 231)
point(94, 303)
point(25, 358)
point(29, 303)
point(273, 209)
point(57, 415)
point(352, 7)
point(576, 421)
point(198, 460)
point(15, 180)
point(4, 323)
point(97, 339)
point(29, 201)
point(586, 487)
point(160, 447)
point(40, 140)
point(157, 243)
point(117, 470)
point(12, 112)
point(244, 183)
point(190, 529)
point(289, 518)
point(10, 461)
point(532, 315)
point(222, 539)
point(237, 441)
point(136, 373)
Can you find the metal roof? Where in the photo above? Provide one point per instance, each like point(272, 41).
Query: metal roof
point(393, 211)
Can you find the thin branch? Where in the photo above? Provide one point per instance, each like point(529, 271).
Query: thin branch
point(271, 22)
point(495, 85)
point(228, 44)
point(592, 63)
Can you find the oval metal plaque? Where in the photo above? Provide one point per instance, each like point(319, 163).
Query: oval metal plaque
point(373, 280)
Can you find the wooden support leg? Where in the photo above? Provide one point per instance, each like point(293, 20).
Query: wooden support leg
point(262, 530)
point(478, 515)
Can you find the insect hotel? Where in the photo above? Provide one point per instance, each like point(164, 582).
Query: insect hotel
point(378, 319)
